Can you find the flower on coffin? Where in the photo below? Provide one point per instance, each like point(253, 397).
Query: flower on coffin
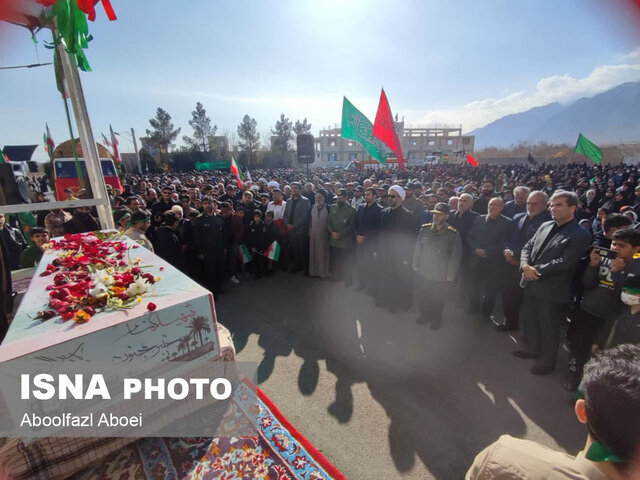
point(139, 287)
point(99, 290)
point(91, 272)
point(81, 316)
point(103, 277)
point(151, 306)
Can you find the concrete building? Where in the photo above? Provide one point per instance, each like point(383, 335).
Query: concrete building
point(420, 145)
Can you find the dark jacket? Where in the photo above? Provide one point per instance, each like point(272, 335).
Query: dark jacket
point(522, 230)
point(15, 243)
point(463, 224)
point(368, 219)
point(208, 235)
point(601, 295)
point(511, 209)
point(489, 235)
point(298, 216)
point(166, 244)
point(556, 262)
point(481, 205)
point(81, 224)
point(260, 236)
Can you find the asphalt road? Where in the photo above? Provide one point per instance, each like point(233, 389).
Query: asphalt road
point(383, 397)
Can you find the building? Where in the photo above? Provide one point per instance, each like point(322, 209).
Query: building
point(419, 144)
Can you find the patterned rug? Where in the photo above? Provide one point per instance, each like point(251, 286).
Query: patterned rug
point(279, 452)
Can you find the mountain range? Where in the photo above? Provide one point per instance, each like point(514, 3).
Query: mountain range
point(610, 117)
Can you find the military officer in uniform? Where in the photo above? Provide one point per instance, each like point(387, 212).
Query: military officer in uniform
point(436, 259)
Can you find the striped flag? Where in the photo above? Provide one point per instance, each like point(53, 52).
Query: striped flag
point(114, 144)
point(106, 140)
point(3, 157)
point(273, 251)
point(237, 172)
point(49, 144)
point(244, 254)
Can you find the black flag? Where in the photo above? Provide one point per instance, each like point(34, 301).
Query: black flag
point(531, 160)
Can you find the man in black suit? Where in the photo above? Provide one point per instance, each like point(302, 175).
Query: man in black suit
point(462, 220)
point(519, 203)
point(488, 238)
point(297, 216)
point(547, 263)
point(523, 228)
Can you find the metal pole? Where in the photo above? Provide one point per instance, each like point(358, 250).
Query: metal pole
point(87, 140)
point(135, 147)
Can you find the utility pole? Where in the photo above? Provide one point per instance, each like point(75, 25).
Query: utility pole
point(135, 147)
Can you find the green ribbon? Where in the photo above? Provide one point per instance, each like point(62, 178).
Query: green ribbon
point(72, 31)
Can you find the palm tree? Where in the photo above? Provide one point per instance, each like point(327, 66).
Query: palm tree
point(198, 325)
point(183, 344)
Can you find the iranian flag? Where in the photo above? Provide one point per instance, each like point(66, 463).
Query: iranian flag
point(273, 251)
point(105, 140)
point(384, 128)
point(471, 161)
point(114, 144)
point(3, 157)
point(49, 145)
point(244, 254)
point(237, 172)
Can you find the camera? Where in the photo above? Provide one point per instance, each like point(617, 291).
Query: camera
point(606, 253)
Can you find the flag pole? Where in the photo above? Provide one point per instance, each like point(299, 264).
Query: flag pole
point(87, 140)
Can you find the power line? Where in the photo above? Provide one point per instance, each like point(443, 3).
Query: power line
point(26, 66)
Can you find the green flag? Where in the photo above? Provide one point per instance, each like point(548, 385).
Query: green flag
point(355, 126)
point(588, 149)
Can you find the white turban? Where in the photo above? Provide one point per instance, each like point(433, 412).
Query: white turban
point(399, 190)
point(274, 184)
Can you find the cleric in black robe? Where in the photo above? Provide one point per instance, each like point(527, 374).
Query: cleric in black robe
point(394, 249)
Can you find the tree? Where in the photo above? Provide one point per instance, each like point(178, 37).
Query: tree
point(302, 128)
point(202, 130)
point(148, 163)
point(163, 135)
point(283, 133)
point(249, 137)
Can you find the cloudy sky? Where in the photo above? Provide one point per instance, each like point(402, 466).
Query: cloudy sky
point(455, 62)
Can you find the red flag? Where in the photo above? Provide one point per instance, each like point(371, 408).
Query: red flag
point(384, 128)
point(471, 161)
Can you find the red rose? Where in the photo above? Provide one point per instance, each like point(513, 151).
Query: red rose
point(151, 306)
point(136, 271)
point(67, 315)
point(149, 278)
point(60, 293)
point(122, 296)
point(122, 263)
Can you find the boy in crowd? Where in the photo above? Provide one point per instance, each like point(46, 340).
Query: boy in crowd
point(600, 299)
point(32, 254)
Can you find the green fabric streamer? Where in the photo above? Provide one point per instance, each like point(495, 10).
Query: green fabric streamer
point(72, 31)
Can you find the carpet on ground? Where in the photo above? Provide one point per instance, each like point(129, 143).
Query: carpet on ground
point(278, 452)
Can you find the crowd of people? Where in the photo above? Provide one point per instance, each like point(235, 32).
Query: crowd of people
point(555, 244)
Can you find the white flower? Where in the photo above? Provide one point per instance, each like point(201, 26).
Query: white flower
point(139, 287)
point(103, 277)
point(98, 290)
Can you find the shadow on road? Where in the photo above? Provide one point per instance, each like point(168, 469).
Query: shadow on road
point(447, 393)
